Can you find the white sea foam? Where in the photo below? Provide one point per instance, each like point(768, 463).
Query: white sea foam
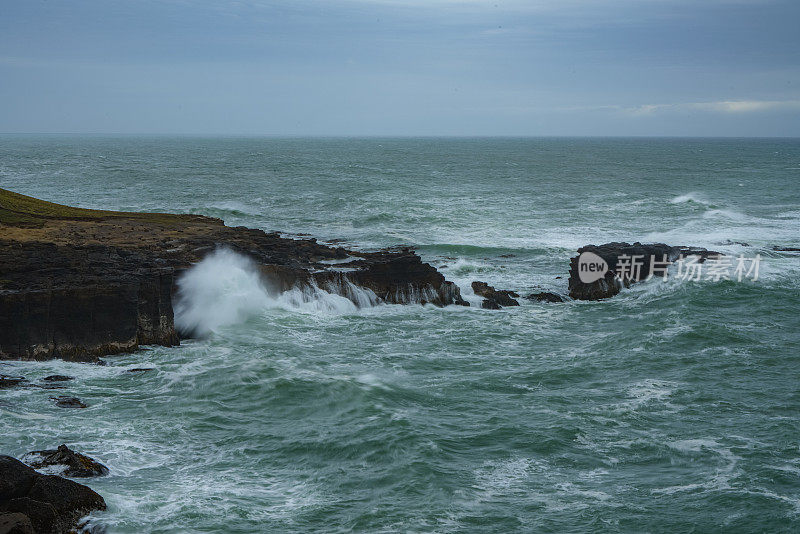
point(348, 259)
point(724, 230)
point(27, 416)
point(728, 214)
point(344, 297)
point(541, 482)
point(720, 480)
point(462, 272)
point(650, 393)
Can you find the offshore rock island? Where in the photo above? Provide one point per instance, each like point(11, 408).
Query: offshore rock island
point(78, 284)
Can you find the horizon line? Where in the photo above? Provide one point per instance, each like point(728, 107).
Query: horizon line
point(396, 136)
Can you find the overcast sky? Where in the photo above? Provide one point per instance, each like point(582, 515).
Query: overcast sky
point(393, 67)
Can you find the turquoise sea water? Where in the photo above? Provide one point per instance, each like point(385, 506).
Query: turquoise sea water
point(674, 407)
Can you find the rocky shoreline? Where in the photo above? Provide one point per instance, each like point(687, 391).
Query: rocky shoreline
point(79, 284)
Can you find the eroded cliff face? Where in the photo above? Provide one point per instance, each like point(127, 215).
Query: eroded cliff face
point(79, 284)
point(81, 302)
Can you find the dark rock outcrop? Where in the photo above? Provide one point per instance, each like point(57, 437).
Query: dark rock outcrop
point(79, 284)
point(545, 296)
point(400, 277)
point(786, 249)
point(494, 299)
point(51, 504)
point(72, 464)
point(651, 260)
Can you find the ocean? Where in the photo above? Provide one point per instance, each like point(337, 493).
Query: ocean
point(672, 407)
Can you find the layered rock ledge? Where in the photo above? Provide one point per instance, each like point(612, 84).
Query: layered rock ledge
point(78, 284)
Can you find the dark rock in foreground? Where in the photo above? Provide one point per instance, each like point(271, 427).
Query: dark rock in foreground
point(652, 259)
point(74, 464)
point(50, 503)
point(494, 299)
point(545, 296)
point(78, 284)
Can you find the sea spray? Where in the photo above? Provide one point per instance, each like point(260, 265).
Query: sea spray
point(227, 288)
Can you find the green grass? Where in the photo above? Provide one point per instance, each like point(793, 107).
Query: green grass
point(21, 210)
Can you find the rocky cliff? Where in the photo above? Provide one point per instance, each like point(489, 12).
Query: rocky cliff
point(78, 284)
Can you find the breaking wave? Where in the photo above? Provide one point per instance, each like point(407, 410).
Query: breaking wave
point(692, 198)
point(227, 288)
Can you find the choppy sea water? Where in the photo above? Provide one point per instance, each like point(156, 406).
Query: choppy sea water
point(674, 406)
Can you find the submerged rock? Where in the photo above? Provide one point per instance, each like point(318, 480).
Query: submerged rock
point(51, 504)
point(546, 296)
point(494, 299)
point(593, 274)
point(11, 381)
point(786, 249)
point(57, 378)
point(68, 402)
point(74, 464)
point(140, 370)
